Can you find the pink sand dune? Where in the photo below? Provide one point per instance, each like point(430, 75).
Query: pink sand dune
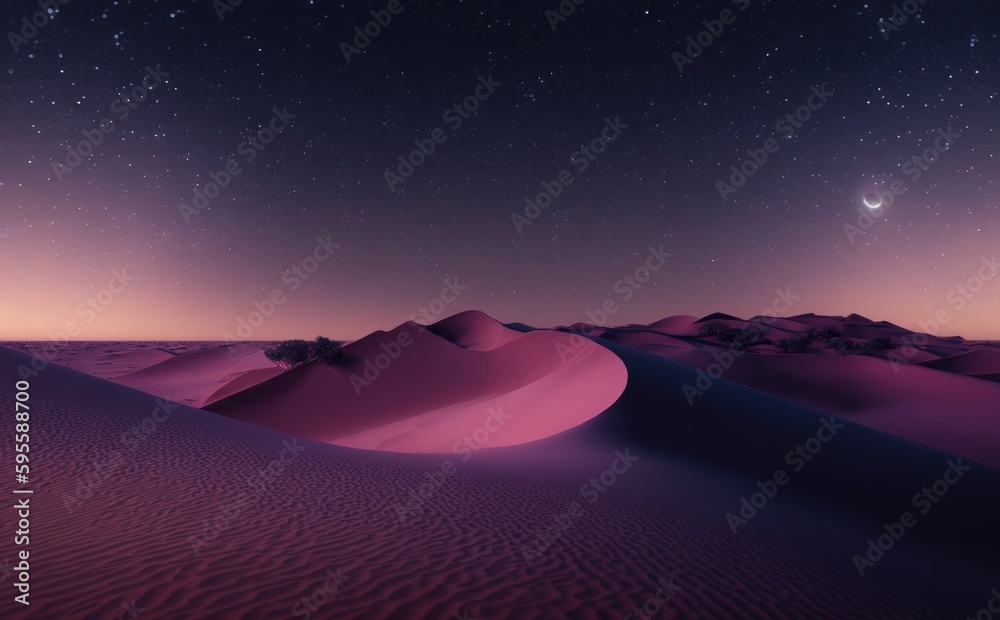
point(474, 330)
point(983, 361)
point(409, 550)
point(671, 321)
point(201, 377)
point(946, 411)
point(411, 390)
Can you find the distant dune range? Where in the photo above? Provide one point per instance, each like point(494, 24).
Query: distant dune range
point(526, 418)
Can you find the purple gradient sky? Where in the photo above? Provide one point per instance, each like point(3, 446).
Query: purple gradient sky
point(61, 240)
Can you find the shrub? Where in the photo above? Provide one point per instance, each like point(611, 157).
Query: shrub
point(882, 342)
point(742, 342)
point(712, 328)
point(728, 336)
point(291, 353)
point(845, 346)
point(828, 333)
point(326, 350)
point(795, 344)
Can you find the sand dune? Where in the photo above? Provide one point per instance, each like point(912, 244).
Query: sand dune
point(937, 408)
point(474, 330)
point(173, 507)
point(411, 390)
point(677, 319)
point(129, 536)
point(977, 362)
point(201, 377)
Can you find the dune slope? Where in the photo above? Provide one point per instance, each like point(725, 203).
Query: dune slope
point(193, 482)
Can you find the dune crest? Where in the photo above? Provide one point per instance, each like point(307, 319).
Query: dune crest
point(411, 389)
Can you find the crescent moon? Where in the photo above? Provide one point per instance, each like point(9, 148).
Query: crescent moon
point(870, 205)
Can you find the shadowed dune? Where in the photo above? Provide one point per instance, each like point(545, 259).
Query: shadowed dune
point(197, 515)
point(129, 535)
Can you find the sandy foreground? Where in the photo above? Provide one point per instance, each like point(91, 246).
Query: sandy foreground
point(468, 469)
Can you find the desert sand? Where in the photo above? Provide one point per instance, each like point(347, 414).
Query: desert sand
point(494, 472)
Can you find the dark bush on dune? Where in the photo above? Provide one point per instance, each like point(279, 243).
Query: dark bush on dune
point(288, 354)
point(864, 348)
point(742, 342)
point(738, 339)
point(712, 328)
point(842, 346)
point(795, 344)
point(828, 333)
point(291, 353)
point(882, 342)
point(846, 346)
point(728, 336)
point(326, 350)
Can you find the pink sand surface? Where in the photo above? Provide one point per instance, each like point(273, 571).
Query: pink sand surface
point(193, 514)
point(425, 399)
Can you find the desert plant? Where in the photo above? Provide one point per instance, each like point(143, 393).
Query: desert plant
point(712, 328)
point(742, 342)
point(841, 345)
point(325, 350)
point(291, 353)
point(728, 336)
point(828, 333)
point(846, 346)
point(864, 348)
point(795, 344)
point(882, 342)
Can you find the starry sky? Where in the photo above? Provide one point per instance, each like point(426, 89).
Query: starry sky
point(99, 239)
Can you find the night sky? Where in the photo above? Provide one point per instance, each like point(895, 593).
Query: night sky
point(890, 93)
